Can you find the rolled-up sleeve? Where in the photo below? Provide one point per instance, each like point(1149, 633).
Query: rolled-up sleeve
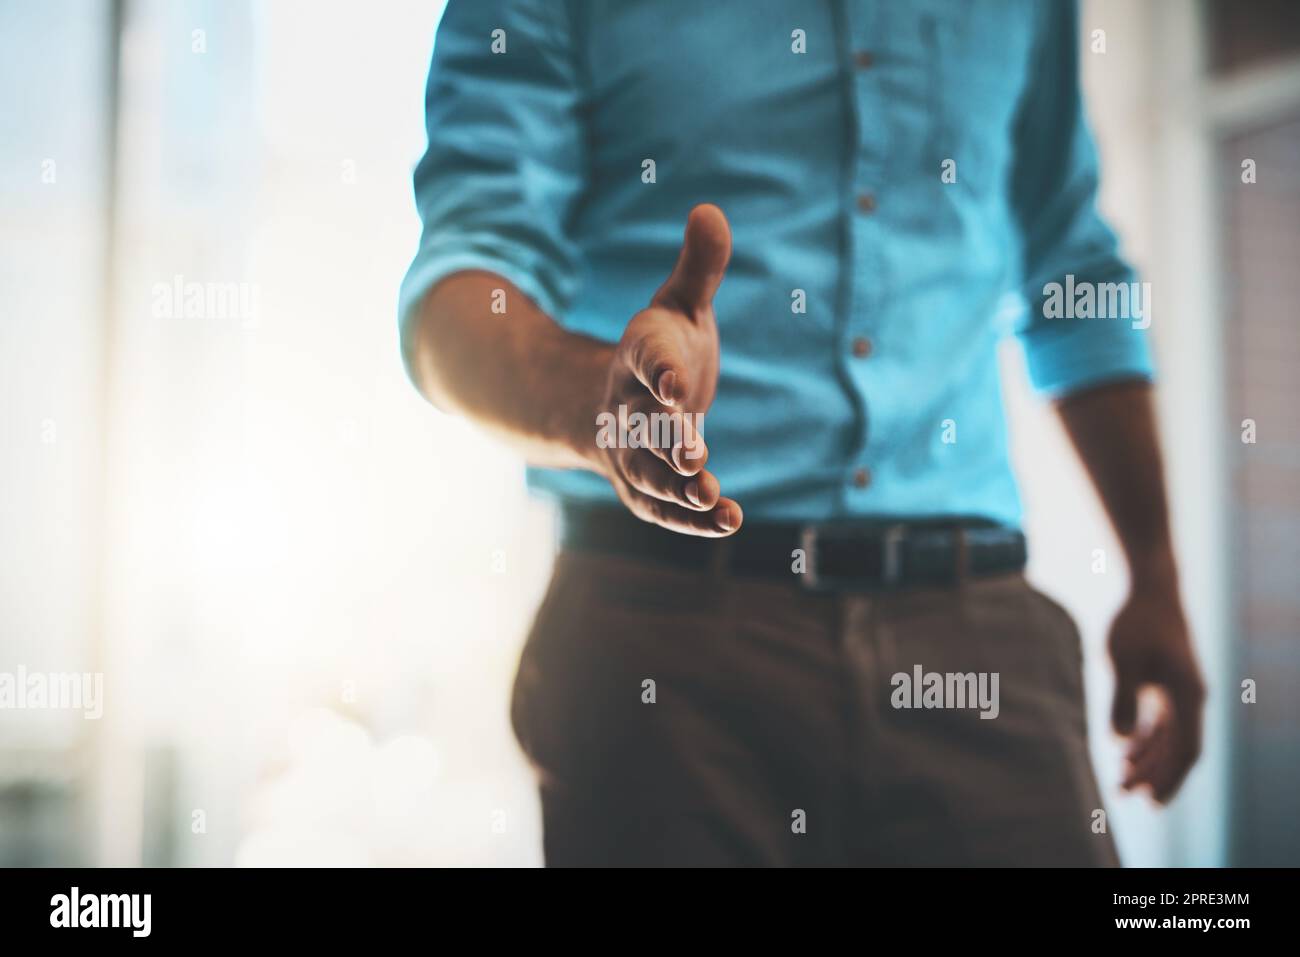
point(1054, 202)
point(496, 185)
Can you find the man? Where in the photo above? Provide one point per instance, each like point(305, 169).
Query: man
point(853, 669)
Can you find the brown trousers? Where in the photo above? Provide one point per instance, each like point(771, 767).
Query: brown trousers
point(679, 718)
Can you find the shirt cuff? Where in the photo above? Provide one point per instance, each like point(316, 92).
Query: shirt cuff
point(1069, 355)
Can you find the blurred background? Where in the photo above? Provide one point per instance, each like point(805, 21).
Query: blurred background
point(218, 491)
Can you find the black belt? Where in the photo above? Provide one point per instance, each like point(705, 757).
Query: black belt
point(847, 555)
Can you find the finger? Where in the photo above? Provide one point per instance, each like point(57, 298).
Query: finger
point(689, 455)
point(724, 519)
point(1188, 696)
point(1149, 753)
point(1123, 712)
point(1151, 734)
point(1170, 777)
point(1160, 772)
point(673, 436)
point(1140, 746)
point(681, 461)
point(689, 458)
point(706, 249)
point(729, 514)
point(702, 490)
point(1187, 693)
point(679, 441)
point(649, 475)
point(657, 362)
point(1162, 768)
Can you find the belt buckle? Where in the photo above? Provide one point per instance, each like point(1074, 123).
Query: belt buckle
point(891, 558)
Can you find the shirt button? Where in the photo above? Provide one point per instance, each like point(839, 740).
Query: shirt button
point(861, 347)
point(863, 59)
point(866, 203)
point(862, 478)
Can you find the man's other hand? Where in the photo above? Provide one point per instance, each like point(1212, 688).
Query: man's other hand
point(1151, 649)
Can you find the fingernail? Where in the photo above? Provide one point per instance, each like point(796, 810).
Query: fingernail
point(666, 383)
point(692, 491)
point(725, 521)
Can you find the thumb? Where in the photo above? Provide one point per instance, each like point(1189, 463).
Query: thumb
point(706, 248)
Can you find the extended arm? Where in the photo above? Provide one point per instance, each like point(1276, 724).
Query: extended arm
point(518, 374)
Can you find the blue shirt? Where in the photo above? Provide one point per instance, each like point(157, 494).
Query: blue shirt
point(895, 168)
